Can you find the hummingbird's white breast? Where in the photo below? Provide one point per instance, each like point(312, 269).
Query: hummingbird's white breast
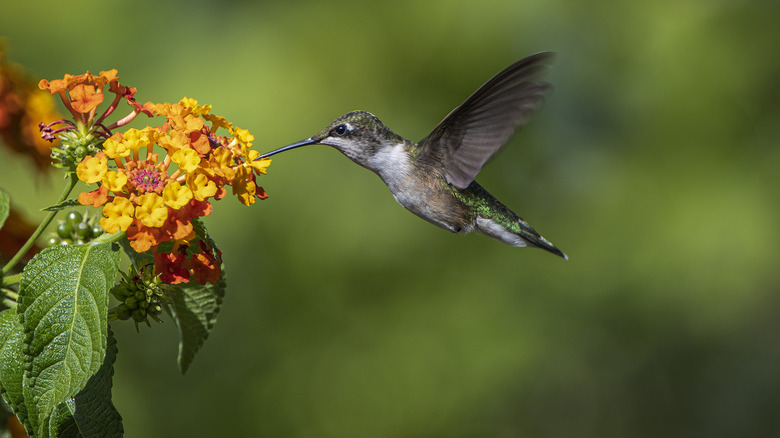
point(394, 165)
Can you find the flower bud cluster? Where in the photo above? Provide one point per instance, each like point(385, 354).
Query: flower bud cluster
point(75, 146)
point(75, 229)
point(141, 295)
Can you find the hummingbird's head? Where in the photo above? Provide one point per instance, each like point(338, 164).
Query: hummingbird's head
point(359, 135)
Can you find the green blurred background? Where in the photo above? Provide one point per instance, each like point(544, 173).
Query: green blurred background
point(653, 164)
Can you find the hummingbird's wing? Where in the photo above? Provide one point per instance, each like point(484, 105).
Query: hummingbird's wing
point(475, 131)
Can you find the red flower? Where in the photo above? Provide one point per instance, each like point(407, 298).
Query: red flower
point(172, 267)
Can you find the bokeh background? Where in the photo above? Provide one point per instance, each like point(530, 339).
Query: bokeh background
point(653, 164)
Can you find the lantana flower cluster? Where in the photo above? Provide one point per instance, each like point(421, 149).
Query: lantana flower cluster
point(153, 182)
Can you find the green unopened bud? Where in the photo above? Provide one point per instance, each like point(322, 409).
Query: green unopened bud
point(123, 312)
point(64, 230)
point(79, 152)
point(74, 218)
point(139, 315)
point(131, 302)
point(75, 145)
point(141, 293)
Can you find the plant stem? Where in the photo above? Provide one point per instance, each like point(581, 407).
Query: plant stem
point(11, 279)
point(72, 179)
point(108, 238)
point(10, 298)
point(11, 294)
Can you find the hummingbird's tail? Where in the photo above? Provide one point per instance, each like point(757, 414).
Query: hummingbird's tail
point(494, 219)
point(516, 233)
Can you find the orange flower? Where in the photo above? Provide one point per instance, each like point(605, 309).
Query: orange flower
point(82, 94)
point(95, 198)
point(84, 98)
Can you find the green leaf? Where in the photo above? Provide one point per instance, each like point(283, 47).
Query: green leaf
point(63, 205)
point(12, 362)
point(63, 304)
point(5, 207)
point(90, 414)
point(194, 308)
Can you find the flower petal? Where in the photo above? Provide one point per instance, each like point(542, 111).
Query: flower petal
point(151, 210)
point(84, 98)
point(114, 181)
point(91, 169)
point(118, 215)
point(176, 195)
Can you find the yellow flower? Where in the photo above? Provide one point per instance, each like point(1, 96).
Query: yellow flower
point(118, 215)
point(115, 181)
point(176, 195)
point(183, 120)
point(222, 163)
point(201, 186)
point(152, 134)
point(187, 159)
point(244, 187)
point(196, 109)
point(243, 136)
point(217, 122)
point(192, 123)
point(258, 165)
point(92, 169)
point(115, 149)
point(174, 141)
point(151, 210)
point(135, 139)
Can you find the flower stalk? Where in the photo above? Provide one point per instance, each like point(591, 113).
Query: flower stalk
point(71, 183)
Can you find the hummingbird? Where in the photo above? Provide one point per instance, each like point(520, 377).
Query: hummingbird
point(434, 179)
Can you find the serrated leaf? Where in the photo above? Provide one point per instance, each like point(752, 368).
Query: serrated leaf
point(12, 362)
point(194, 308)
point(63, 205)
point(5, 207)
point(91, 413)
point(63, 303)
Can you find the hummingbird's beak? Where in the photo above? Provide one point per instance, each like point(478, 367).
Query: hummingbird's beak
point(297, 144)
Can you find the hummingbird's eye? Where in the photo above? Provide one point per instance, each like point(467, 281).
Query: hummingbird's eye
point(340, 130)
